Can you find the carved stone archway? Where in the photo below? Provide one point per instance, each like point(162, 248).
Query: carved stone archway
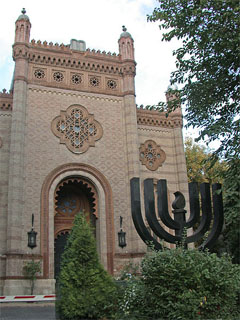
point(81, 169)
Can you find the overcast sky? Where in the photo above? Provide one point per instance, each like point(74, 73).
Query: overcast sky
point(99, 24)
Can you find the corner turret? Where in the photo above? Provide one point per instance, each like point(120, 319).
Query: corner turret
point(23, 26)
point(126, 48)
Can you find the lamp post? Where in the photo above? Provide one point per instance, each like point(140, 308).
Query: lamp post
point(121, 236)
point(32, 236)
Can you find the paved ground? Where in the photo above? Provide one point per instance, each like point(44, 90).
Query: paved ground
point(27, 311)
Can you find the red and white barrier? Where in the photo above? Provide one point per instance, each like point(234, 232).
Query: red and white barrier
point(50, 297)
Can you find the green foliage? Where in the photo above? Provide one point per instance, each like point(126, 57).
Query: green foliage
point(207, 69)
point(232, 210)
point(184, 285)
point(86, 290)
point(30, 271)
point(199, 166)
point(199, 169)
point(207, 65)
point(130, 270)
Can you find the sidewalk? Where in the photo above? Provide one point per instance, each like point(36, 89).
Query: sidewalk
point(27, 311)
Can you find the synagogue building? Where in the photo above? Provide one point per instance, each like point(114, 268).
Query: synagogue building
point(71, 138)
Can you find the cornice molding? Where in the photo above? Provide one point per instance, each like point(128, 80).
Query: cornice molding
point(153, 129)
point(158, 119)
point(73, 94)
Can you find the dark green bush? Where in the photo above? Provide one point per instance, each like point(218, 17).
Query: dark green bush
point(183, 284)
point(86, 290)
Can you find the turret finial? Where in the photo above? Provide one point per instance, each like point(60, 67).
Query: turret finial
point(124, 29)
point(23, 11)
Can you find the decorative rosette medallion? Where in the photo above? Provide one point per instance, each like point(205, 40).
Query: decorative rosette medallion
point(77, 129)
point(151, 155)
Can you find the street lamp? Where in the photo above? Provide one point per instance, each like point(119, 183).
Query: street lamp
point(121, 236)
point(32, 236)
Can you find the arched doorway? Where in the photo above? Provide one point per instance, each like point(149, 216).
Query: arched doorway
point(72, 195)
point(104, 210)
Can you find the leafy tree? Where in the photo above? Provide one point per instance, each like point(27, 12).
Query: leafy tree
point(232, 210)
point(207, 66)
point(86, 290)
point(207, 69)
point(199, 168)
point(30, 271)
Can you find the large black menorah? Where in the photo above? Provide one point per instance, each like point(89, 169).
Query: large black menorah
point(199, 215)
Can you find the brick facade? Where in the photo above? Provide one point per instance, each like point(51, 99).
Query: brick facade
point(49, 79)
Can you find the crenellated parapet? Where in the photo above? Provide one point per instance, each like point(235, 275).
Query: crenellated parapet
point(55, 54)
point(39, 44)
point(158, 119)
point(63, 67)
point(66, 48)
point(6, 100)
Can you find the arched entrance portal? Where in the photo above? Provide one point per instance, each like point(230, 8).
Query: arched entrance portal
point(104, 209)
point(72, 195)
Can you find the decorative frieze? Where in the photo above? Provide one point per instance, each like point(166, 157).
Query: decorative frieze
point(74, 80)
point(159, 119)
point(75, 94)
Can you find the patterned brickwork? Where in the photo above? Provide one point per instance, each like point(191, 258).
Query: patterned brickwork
point(5, 127)
point(174, 167)
point(108, 155)
point(16, 169)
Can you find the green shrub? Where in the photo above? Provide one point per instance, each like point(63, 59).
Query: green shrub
point(183, 284)
point(130, 270)
point(30, 271)
point(86, 290)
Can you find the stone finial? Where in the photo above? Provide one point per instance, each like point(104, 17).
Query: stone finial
point(125, 34)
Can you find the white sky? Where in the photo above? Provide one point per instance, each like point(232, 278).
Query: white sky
point(99, 24)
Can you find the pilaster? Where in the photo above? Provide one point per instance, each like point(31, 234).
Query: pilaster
point(17, 146)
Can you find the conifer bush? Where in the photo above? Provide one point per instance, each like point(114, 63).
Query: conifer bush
point(86, 290)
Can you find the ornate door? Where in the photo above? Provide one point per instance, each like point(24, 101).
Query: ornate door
point(73, 195)
point(59, 245)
